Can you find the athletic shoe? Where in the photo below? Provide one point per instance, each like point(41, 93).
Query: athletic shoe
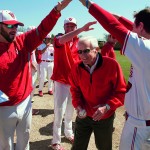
point(71, 139)
point(40, 93)
point(50, 92)
point(57, 147)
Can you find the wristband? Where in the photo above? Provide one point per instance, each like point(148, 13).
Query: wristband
point(87, 3)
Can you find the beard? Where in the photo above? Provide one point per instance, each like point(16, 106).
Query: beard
point(7, 36)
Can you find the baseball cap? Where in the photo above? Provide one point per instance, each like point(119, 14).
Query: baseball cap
point(70, 20)
point(8, 17)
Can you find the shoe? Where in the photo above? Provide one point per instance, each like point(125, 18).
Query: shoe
point(71, 139)
point(50, 92)
point(57, 147)
point(40, 93)
point(35, 111)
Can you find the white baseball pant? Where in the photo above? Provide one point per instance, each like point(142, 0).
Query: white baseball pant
point(46, 69)
point(34, 78)
point(62, 108)
point(135, 135)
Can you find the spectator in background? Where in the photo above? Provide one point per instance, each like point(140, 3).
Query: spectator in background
point(108, 48)
point(46, 50)
point(98, 88)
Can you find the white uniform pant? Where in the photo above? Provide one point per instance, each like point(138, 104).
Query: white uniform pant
point(15, 118)
point(62, 106)
point(34, 78)
point(135, 135)
point(46, 69)
point(38, 73)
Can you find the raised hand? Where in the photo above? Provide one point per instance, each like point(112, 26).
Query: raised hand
point(61, 5)
point(87, 26)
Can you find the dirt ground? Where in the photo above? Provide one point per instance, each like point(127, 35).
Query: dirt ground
point(41, 133)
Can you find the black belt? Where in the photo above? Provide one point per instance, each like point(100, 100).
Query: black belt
point(47, 60)
point(147, 122)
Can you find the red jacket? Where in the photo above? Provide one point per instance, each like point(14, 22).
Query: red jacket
point(64, 58)
point(106, 85)
point(15, 71)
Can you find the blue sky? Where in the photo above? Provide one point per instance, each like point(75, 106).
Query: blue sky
point(31, 12)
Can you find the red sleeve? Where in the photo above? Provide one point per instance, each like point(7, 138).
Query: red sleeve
point(42, 30)
point(117, 98)
point(109, 22)
point(75, 89)
point(127, 23)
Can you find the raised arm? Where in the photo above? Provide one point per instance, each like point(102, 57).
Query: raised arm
point(46, 25)
point(127, 23)
point(67, 37)
point(50, 20)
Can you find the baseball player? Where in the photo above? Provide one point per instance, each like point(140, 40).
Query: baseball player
point(46, 66)
point(15, 76)
point(65, 46)
point(134, 38)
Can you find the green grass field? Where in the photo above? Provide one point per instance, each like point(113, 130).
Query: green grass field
point(125, 64)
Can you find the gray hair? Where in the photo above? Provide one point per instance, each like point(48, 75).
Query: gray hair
point(89, 40)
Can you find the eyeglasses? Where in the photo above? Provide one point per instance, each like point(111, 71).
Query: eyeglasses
point(10, 26)
point(83, 51)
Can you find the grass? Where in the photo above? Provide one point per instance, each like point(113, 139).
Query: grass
point(125, 64)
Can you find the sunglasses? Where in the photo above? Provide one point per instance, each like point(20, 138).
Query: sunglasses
point(83, 51)
point(10, 26)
